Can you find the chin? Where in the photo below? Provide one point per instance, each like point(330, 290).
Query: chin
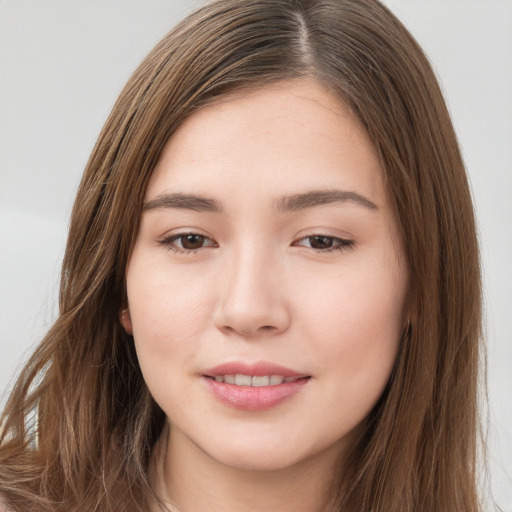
point(269, 455)
point(257, 460)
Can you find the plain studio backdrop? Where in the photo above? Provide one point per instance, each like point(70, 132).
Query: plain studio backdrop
point(62, 64)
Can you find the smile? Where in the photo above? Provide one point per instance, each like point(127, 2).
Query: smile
point(256, 386)
point(254, 381)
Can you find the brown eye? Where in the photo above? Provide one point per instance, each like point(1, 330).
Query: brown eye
point(187, 242)
point(321, 242)
point(324, 243)
point(191, 241)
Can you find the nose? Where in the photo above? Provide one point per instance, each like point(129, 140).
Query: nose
point(252, 299)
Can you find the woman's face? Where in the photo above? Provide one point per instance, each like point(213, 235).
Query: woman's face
point(267, 250)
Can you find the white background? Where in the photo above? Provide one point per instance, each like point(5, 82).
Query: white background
point(63, 63)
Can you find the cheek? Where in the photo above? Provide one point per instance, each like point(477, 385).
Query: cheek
point(165, 293)
point(169, 312)
point(355, 321)
point(168, 316)
point(354, 334)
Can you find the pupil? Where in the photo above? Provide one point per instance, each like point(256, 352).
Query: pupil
point(320, 242)
point(192, 241)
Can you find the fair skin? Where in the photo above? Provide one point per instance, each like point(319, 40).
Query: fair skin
point(287, 254)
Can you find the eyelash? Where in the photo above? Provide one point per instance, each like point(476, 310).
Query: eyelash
point(169, 243)
point(338, 244)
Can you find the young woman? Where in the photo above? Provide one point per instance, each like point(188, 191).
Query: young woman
point(270, 297)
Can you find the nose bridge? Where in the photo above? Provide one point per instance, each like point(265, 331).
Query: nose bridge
point(252, 297)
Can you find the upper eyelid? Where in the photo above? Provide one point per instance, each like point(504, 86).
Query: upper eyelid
point(326, 235)
point(181, 235)
point(337, 238)
point(341, 238)
point(175, 235)
point(169, 243)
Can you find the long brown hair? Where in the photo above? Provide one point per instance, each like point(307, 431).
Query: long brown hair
point(80, 424)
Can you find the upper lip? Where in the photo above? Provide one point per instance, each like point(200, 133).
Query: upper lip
point(254, 369)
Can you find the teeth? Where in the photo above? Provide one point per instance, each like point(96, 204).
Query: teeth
point(256, 381)
point(276, 379)
point(243, 380)
point(260, 381)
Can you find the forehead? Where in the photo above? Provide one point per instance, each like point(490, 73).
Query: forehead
point(284, 137)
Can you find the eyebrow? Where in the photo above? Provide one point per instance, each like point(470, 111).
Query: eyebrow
point(323, 197)
point(291, 203)
point(183, 202)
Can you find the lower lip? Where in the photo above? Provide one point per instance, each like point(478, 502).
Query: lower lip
point(254, 398)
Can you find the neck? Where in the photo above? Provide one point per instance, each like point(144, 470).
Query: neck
point(189, 480)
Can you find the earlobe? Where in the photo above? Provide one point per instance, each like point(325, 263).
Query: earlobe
point(408, 328)
point(126, 320)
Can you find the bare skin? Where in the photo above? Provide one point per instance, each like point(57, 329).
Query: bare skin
point(267, 239)
point(303, 488)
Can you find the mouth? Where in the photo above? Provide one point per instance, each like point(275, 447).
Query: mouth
point(255, 380)
point(255, 387)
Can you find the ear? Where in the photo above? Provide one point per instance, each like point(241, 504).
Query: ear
point(126, 320)
point(410, 321)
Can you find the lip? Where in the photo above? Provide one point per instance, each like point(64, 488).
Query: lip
point(249, 398)
point(255, 369)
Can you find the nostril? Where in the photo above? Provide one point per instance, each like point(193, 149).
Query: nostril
point(252, 318)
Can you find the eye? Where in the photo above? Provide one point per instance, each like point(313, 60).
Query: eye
point(187, 242)
point(324, 243)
